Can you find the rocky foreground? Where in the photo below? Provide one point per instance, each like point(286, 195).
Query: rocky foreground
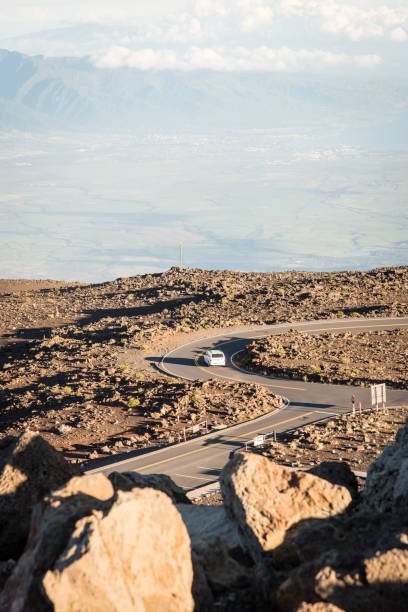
point(283, 539)
point(76, 360)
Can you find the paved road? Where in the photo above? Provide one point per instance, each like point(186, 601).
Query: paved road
point(199, 461)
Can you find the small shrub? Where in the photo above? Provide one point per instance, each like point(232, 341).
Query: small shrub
point(132, 403)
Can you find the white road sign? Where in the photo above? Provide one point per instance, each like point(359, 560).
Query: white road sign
point(259, 440)
point(378, 394)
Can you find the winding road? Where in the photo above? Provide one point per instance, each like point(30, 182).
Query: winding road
point(199, 461)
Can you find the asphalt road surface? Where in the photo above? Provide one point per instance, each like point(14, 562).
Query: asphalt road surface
point(199, 461)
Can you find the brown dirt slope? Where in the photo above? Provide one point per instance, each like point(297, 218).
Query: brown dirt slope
point(64, 367)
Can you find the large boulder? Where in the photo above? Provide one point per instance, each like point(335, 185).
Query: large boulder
point(29, 468)
point(351, 561)
point(379, 578)
point(126, 481)
point(204, 522)
point(359, 558)
point(53, 520)
point(86, 553)
point(266, 499)
point(216, 571)
point(337, 472)
point(216, 553)
point(320, 606)
point(386, 488)
point(222, 571)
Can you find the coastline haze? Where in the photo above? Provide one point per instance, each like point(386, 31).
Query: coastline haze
point(263, 136)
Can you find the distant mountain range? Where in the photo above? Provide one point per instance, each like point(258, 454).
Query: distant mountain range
point(56, 93)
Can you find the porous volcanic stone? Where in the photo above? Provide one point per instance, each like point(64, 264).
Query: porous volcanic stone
point(320, 606)
point(29, 468)
point(386, 487)
point(127, 481)
point(266, 499)
point(338, 473)
point(123, 553)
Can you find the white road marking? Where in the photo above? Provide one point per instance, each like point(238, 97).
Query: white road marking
point(324, 412)
point(208, 467)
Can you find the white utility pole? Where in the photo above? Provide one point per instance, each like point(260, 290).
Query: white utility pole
point(181, 255)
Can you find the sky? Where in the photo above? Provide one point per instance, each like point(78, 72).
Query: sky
point(369, 36)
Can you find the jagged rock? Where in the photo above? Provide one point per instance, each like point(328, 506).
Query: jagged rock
point(386, 487)
point(348, 586)
point(52, 521)
point(338, 473)
point(390, 567)
point(214, 540)
point(204, 522)
point(29, 468)
point(121, 565)
point(201, 591)
point(88, 554)
point(366, 561)
point(127, 481)
point(318, 607)
point(93, 485)
point(313, 582)
point(221, 570)
point(314, 540)
point(6, 567)
point(266, 499)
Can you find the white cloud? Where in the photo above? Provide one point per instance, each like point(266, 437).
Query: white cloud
point(214, 34)
point(398, 35)
point(258, 16)
point(347, 19)
point(368, 61)
point(207, 8)
point(144, 59)
point(357, 21)
point(183, 29)
point(354, 21)
point(230, 60)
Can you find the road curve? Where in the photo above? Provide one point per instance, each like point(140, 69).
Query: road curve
point(200, 461)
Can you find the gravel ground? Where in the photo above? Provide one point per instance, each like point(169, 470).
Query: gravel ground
point(76, 360)
point(360, 359)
